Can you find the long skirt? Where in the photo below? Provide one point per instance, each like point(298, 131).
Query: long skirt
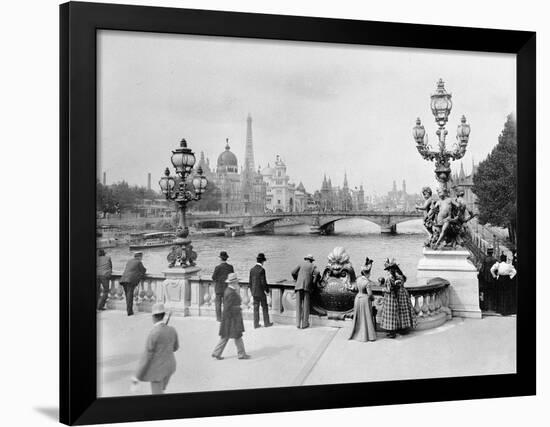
point(506, 295)
point(363, 322)
point(397, 311)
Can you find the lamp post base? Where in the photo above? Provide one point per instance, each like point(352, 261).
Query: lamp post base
point(455, 267)
point(177, 293)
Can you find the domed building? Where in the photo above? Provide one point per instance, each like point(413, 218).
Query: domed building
point(227, 161)
point(241, 193)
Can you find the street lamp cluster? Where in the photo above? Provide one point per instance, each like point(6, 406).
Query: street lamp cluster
point(441, 106)
point(177, 189)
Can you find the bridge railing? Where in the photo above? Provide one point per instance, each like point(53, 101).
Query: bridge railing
point(430, 302)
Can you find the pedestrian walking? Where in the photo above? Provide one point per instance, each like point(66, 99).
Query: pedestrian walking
point(306, 276)
point(104, 270)
point(232, 325)
point(158, 363)
point(397, 311)
point(219, 277)
point(364, 325)
point(505, 274)
point(134, 272)
point(259, 290)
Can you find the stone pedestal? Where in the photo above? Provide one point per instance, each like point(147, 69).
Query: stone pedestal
point(177, 293)
point(388, 229)
point(453, 266)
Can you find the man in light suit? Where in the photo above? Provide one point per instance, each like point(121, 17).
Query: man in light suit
point(306, 276)
point(259, 290)
point(158, 363)
point(219, 277)
point(134, 272)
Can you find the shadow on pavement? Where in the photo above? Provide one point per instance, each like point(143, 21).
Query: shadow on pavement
point(51, 412)
point(269, 352)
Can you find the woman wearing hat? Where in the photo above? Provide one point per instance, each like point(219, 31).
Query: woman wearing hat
point(397, 311)
point(363, 322)
point(504, 274)
point(232, 325)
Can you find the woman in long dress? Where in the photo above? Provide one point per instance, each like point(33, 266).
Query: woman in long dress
point(363, 322)
point(398, 314)
point(505, 274)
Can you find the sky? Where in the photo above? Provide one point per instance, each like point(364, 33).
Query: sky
point(324, 108)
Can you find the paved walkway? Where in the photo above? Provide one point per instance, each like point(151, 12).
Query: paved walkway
point(285, 356)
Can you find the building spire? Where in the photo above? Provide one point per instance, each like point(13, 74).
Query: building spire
point(462, 175)
point(249, 149)
point(345, 180)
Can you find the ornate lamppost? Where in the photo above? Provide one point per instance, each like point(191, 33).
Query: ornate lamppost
point(441, 105)
point(177, 189)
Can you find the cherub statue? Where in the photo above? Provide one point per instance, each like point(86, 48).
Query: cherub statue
point(174, 256)
point(426, 207)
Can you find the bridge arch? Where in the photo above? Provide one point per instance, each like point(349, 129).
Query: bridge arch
point(211, 223)
point(266, 222)
point(387, 224)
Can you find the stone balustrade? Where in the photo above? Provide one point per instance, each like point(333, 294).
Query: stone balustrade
point(196, 297)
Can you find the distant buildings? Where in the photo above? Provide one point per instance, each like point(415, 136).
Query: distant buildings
point(281, 194)
point(240, 192)
point(396, 200)
point(460, 179)
point(334, 198)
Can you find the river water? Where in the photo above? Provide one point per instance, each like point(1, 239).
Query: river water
point(288, 246)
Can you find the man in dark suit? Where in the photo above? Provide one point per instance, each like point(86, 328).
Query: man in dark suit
point(219, 277)
point(259, 290)
point(232, 325)
point(306, 276)
point(158, 363)
point(134, 272)
point(104, 269)
point(487, 282)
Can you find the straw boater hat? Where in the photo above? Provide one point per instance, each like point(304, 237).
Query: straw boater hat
point(136, 254)
point(158, 309)
point(310, 257)
point(232, 278)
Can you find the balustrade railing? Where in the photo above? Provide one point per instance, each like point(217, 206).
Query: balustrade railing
point(430, 302)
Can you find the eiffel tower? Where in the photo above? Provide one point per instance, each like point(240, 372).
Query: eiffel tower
point(249, 149)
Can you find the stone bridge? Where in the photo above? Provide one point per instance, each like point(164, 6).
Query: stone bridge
point(319, 222)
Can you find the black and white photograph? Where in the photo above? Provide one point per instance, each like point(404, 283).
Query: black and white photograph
point(279, 213)
point(275, 213)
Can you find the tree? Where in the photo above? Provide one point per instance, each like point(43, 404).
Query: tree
point(121, 196)
point(495, 182)
point(210, 200)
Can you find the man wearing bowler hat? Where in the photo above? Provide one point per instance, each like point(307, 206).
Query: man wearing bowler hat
point(259, 290)
point(232, 325)
point(158, 363)
point(134, 272)
point(219, 277)
point(306, 276)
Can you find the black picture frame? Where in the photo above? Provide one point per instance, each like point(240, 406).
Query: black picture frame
point(78, 367)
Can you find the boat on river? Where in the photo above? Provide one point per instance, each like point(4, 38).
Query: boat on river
point(234, 230)
point(151, 240)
